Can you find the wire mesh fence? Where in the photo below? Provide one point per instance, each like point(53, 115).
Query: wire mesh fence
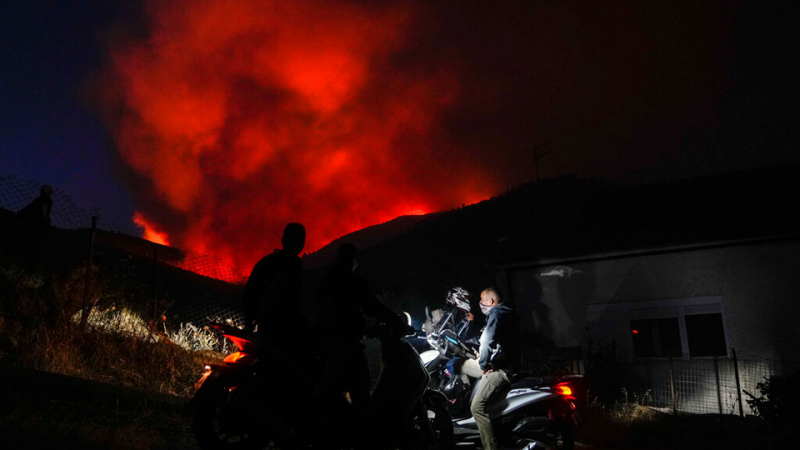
point(160, 282)
point(16, 193)
point(700, 385)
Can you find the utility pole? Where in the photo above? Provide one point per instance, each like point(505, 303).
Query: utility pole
point(86, 307)
point(536, 158)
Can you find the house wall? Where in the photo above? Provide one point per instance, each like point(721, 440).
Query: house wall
point(756, 286)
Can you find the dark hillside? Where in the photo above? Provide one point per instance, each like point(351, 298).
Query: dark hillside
point(462, 247)
point(569, 217)
point(365, 238)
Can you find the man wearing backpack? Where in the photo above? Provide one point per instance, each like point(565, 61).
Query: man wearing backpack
point(271, 295)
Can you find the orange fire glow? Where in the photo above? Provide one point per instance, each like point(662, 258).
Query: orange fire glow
point(240, 116)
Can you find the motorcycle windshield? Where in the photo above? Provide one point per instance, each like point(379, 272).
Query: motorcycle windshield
point(402, 380)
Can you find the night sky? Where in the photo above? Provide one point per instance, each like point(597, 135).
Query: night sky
point(219, 121)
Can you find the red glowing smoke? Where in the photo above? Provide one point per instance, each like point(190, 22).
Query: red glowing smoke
point(239, 116)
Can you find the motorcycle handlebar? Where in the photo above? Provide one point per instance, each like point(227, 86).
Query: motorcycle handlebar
point(450, 345)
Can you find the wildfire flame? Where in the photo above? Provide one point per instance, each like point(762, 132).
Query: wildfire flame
point(240, 116)
point(150, 232)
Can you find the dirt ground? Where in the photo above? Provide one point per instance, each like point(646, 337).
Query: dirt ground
point(34, 422)
point(46, 411)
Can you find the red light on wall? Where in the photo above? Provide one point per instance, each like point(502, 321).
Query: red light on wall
point(635, 331)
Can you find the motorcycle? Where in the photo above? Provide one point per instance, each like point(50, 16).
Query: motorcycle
point(234, 407)
point(536, 412)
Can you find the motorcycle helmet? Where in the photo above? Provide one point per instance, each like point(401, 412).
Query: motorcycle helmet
point(458, 297)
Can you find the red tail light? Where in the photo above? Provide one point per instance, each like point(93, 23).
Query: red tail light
point(233, 357)
point(565, 390)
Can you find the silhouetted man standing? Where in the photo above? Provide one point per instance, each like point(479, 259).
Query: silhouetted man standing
point(343, 298)
point(272, 292)
point(36, 222)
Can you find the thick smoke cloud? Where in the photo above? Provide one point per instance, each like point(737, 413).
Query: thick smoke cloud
point(239, 116)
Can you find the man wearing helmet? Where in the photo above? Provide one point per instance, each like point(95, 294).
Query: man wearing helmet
point(455, 316)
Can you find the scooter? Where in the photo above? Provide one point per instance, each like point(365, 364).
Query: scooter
point(242, 404)
point(536, 412)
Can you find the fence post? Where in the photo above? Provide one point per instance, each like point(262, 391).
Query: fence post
point(672, 395)
point(155, 265)
point(86, 307)
point(738, 384)
point(719, 386)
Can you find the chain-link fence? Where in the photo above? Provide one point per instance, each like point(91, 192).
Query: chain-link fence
point(158, 281)
point(16, 193)
point(699, 385)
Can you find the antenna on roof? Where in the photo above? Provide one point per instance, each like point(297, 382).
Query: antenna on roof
point(536, 158)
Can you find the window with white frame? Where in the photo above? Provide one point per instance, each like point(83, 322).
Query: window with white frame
point(688, 327)
point(654, 338)
point(705, 334)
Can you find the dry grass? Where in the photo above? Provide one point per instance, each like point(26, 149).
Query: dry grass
point(608, 425)
point(117, 347)
point(121, 321)
point(126, 322)
point(197, 339)
point(39, 329)
point(631, 424)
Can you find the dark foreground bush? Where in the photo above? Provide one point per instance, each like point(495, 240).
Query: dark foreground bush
point(778, 400)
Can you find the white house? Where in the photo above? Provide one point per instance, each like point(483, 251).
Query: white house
point(675, 314)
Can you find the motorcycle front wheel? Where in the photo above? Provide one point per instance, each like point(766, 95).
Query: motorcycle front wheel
point(220, 424)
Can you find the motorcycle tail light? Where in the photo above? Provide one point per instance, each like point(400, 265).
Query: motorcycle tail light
point(565, 390)
point(233, 357)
